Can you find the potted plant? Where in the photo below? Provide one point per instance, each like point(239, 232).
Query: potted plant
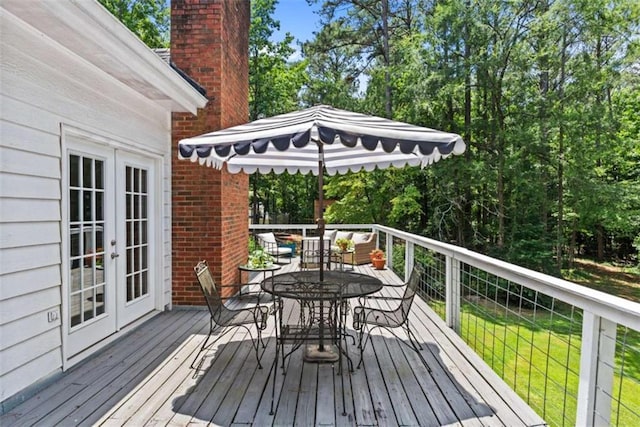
point(258, 258)
point(344, 244)
point(378, 259)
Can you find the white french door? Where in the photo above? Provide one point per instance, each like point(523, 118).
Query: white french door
point(109, 244)
point(135, 201)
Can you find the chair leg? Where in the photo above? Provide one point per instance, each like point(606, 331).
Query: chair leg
point(415, 346)
point(362, 345)
point(412, 338)
point(344, 404)
point(274, 374)
point(257, 347)
point(204, 344)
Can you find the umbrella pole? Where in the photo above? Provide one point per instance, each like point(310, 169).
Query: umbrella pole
point(320, 220)
point(320, 213)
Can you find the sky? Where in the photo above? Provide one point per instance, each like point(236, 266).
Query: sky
point(297, 18)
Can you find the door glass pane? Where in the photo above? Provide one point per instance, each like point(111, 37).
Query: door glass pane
point(99, 210)
point(129, 288)
point(88, 278)
point(86, 239)
point(99, 300)
point(129, 260)
point(136, 207)
point(144, 232)
point(87, 205)
point(88, 311)
point(144, 283)
point(136, 180)
point(136, 280)
point(137, 222)
point(74, 171)
point(100, 243)
point(128, 184)
point(74, 205)
point(143, 204)
point(99, 176)
point(87, 172)
point(143, 182)
point(75, 310)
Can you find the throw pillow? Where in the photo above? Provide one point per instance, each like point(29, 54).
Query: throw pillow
point(360, 237)
point(331, 235)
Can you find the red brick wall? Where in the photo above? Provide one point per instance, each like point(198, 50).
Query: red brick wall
point(209, 41)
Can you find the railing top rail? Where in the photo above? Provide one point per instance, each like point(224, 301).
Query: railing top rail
point(618, 309)
point(310, 226)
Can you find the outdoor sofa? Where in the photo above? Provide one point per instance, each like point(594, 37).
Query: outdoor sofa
point(363, 243)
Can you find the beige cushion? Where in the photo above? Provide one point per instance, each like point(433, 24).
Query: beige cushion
point(267, 237)
point(360, 237)
point(331, 235)
point(343, 235)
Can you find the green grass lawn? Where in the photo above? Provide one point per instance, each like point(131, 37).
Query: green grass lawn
point(541, 362)
point(537, 352)
point(605, 277)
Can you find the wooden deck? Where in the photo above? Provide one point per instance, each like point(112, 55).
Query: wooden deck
point(145, 379)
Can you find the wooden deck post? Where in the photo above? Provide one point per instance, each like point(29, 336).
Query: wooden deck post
point(409, 250)
point(452, 293)
point(389, 249)
point(597, 361)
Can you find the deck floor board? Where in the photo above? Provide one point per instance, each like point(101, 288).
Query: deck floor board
point(145, 378)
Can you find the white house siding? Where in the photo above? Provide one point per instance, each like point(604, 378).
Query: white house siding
point(44, 85)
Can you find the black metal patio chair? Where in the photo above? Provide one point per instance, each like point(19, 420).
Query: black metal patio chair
point(366, 317)
point(225, 318)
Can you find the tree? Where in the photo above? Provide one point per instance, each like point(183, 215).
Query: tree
point(274, 85)
point(148, 19)
point(274, 81)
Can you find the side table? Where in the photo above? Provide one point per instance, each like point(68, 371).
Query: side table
point(340, 255)
point(264, 270)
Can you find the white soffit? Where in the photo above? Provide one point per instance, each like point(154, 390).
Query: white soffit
point(87, 29)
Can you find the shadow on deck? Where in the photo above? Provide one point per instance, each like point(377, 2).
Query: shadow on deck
point(145, 379)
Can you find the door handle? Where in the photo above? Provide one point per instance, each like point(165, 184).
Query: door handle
point(114, 255)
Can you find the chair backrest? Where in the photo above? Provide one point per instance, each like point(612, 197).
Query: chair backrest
point(209, 290)
point(410, 290)
point(266, 239)
point(310, 252)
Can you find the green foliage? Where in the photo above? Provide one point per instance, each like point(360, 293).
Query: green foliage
point(274, 81)
point(274, 84)
point(546, 95)
point(344, 243)
point(148, 19)
point(258, 258)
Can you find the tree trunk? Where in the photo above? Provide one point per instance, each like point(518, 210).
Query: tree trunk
point(572, 246)
point(385, 41)
point(560, 224)
point(467, 232)
point(600, 239)
point(501, 210)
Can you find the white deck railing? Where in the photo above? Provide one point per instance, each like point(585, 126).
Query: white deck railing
point(467, 276)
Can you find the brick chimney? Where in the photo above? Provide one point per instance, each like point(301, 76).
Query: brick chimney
point(210, 43)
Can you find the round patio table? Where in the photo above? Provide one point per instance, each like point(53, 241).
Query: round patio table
point(306, 286)
point(352, 285)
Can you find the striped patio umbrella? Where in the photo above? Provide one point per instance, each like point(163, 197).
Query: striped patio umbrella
point(318, 140)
